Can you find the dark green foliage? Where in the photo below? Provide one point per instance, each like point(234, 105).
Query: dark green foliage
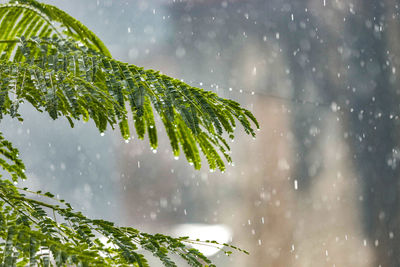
point(31, 236)
point(52, 61)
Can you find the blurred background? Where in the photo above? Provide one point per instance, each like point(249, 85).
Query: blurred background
point(319, 186)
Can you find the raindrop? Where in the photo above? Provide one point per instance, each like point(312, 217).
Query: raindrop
point(391, 235)
point(351, 9)
point(295, 185)
point(176, 157)
point(334, 107)
point(254, 71)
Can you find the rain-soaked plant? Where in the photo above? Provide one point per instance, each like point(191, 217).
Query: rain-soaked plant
point(52, 61)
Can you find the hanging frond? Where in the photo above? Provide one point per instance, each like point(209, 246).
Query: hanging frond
point(36, 232)
point(68, 79)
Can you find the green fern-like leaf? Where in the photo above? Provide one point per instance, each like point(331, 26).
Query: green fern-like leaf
point(69, 237)
point(68, 79)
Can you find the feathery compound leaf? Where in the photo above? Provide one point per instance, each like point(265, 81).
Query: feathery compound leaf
point(70, 238)
point(72, 80)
